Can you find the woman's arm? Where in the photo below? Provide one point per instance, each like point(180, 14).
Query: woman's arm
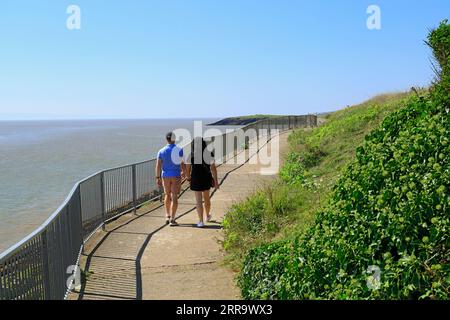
point(214, 174)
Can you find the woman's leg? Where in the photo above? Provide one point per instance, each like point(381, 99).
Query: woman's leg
point(207, 198)
point(199, 205)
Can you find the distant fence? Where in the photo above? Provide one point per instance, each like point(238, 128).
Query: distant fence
point(37, 266)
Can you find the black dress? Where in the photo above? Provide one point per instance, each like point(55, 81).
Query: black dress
point(201, 176)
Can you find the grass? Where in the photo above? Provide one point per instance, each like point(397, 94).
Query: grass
point(316, 160)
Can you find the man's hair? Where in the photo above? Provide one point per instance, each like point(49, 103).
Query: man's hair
point(170, 136)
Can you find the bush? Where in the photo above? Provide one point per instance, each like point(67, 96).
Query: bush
point(311, 156)
point(269, 264)
point(293, 171)
point(439, 42)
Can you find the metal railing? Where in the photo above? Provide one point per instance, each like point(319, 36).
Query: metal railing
point(37, 266)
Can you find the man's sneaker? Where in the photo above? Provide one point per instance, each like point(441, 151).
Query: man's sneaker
point(200, 225)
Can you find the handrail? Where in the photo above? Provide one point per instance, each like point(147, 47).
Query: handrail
point(92, 202)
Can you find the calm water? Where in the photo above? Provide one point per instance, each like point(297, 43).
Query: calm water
point(40, 161)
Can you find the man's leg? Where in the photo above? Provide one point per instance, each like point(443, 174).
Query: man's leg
point(174, 205)
point(167, 196)
point(167, 203)
point(175, 188)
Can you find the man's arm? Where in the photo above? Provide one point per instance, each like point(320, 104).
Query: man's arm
point(158, 171)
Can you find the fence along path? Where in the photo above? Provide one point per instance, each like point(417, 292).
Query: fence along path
point(37, 266)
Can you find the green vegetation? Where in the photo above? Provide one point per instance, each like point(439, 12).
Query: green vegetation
point(310, 170)
point(242, 120)
point(368, 188)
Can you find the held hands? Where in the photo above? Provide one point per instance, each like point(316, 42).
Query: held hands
point(159, 181)
point(186, 176)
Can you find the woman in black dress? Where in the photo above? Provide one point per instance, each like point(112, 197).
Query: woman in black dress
point(201, 171)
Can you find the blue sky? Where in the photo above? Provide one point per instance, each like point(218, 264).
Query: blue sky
point(162, 59)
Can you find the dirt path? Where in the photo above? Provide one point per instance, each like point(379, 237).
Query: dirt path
point(139, 257)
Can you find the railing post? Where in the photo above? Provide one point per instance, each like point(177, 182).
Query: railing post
point(269, 132)
point(235, 144)
point(134, 187)
point(45, 266)
point(81, 219)
point(102, 197)
point(2, 295)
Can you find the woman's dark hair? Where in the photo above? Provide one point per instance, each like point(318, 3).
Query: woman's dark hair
point(198, 154)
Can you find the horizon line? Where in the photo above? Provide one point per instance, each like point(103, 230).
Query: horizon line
point(106, 118)
point(156, 118)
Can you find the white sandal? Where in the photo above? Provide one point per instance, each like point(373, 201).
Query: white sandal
point(200, 224)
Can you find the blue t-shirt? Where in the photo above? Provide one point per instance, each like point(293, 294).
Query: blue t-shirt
point(171, 157)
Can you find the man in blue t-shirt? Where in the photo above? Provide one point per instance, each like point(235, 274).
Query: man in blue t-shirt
point(170, 167)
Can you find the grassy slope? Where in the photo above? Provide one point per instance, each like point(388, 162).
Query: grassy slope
point(280, 211)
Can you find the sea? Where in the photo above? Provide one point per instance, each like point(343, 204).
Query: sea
point(40, 161)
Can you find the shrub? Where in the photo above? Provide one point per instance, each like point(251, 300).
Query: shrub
point(293, 171)
point(269, 264)
point(311, 156)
